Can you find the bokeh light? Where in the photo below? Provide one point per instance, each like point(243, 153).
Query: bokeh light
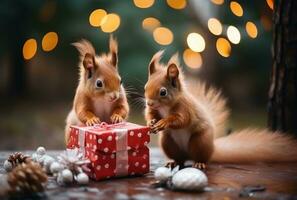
point(217, 2)
point(29, 49)
point(196, 42)
point(192, 59)
point(49, 41)
point(110, 23)
point(233, 34)
point(143, 3)
point(223, 47)
point(236, 8)
point(96, 17)
point(251, 29)
point(163, 36)
point(150, 23)
point(214, 26)
point(270, 3)
point(177, 4)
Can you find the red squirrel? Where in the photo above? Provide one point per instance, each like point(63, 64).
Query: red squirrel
point(100, 95)
point(190, 118)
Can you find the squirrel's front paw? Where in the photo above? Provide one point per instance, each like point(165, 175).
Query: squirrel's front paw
point(115, 118)
point(159, 126)
point(151, 124)
point(92, 121)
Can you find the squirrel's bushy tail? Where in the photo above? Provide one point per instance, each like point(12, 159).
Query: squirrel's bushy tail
point(252, 145)
point(214, 102)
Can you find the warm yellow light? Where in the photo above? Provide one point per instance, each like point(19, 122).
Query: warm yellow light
point(177, 4)
point(150, 23)
point(223, 47)
point(196, 42)
point(218, 2)
point(163, 35)
point(143, 3)
point(110, 23)
point(233, 34)
point(96, 17)
point(236, 8)
point(270, 3)
point(251, 29)
point(214, 26)
point(29, 49)
point(192, 59)
point(49, 41)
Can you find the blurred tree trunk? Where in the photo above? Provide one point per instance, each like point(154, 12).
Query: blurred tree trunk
point(17, 27)
point(282, 105)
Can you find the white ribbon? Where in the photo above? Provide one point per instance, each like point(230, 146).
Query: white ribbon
point(121, 152)
point(121, 145)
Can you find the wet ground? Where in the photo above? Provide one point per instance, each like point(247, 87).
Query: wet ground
point(226, 181)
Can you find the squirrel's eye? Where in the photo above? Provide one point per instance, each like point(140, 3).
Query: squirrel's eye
point(99, 83)
point(163, 92)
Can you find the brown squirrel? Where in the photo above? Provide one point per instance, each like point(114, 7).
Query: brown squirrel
point(191, 118)
point(100, 95)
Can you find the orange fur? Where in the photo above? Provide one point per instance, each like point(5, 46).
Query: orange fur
point(93, 104)
point(191, 117)
point(180, 119)
point(253, 145)
point(214, 102)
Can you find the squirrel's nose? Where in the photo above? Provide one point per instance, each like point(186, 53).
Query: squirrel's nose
point(113, 96)
point(150, 103)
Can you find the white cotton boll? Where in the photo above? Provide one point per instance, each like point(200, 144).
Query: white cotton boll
point(56, 167)
point(41, 151)
point(67, 176)
point(82, 178)
point(163, 173)
point(189, 179)
point(47, 161)
point(7, 166)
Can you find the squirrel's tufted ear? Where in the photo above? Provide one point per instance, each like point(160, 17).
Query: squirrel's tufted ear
point(113, 51)
point(83, 47)
point(89, 61)
point(87, 53)
point(173, 70)
point(154, 62)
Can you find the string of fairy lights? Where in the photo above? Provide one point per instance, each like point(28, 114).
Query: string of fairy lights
point(110, 22)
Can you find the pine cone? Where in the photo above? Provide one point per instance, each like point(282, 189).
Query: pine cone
point(18, 158)
point(26, 178)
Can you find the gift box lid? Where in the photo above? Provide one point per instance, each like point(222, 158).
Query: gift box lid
point(109, 138)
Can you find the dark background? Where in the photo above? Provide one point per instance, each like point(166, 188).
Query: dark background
point(36, 94)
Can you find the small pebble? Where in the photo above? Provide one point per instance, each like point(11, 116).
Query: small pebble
point(67, 176)
point(40, 151)
point(82, 179)
point(55, 167)
point(163, 173)
point(7, 166)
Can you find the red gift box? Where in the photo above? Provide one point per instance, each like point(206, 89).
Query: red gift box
point(114, 150)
